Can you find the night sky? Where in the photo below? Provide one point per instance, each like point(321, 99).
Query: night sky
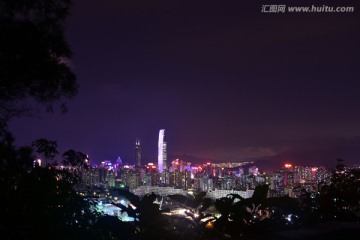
point(227, 82)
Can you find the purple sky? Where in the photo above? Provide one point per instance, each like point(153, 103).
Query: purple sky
point(226, 81)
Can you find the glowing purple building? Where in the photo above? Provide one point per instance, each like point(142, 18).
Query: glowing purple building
point(162, 151)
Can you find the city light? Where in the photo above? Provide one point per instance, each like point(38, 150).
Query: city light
point(288, 165)
point(37, 162)
point(209, 225)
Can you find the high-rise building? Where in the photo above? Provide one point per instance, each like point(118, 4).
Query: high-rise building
point(90, 176)
point(162, 152)
point(137, 152)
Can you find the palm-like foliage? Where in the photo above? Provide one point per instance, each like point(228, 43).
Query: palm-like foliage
point(197, 218)
point(232, 213)
point(238, 215)
point(150, 222)
point(195, 204)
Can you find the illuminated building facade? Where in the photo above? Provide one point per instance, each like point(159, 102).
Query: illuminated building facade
point(111, 178)
point(90, 176)
point(152, 176)
point(162, 151)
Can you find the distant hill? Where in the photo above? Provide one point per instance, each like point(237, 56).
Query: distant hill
point(192, 159)
point(197, 160)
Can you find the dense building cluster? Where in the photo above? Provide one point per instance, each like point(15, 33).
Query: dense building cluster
point(207, 177)
point(178, 176)
point(217, 179)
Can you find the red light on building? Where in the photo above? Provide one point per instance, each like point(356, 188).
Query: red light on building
point(208, 163)
point(314, 169)
point(287, 165)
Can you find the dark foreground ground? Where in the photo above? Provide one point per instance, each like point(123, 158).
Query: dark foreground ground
point(318, 231)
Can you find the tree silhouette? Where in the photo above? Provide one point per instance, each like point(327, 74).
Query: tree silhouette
point(284, 213)
point(337, 200)
point(46, 148)
point(111, 227)
point(340, 200)
point(41, 203)
point(34, 56)
point(74, 159)
point(37, 203)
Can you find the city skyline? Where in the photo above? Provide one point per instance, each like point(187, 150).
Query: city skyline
point(226, 81)
point(179, 119)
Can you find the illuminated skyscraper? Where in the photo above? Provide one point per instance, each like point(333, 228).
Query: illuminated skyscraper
point(137, 153)
point(162, 152)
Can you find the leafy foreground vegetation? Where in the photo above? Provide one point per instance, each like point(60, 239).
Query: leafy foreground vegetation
point(41, 203)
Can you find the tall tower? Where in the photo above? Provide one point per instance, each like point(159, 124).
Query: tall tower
point(137, 152)
point(162, 151)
